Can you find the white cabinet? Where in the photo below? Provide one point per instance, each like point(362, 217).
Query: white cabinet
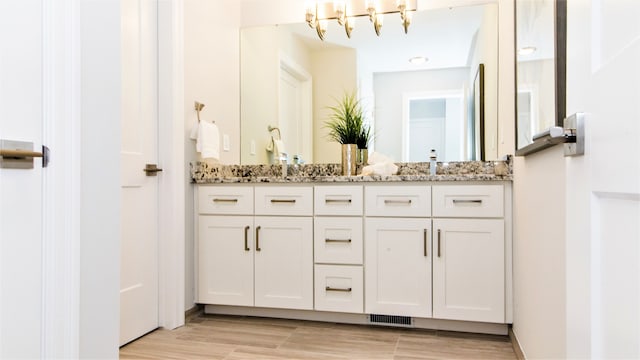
point(225, 260)
point(469, 270)
point(339, 288)
point(284, 262)
point(398, 266)
point(250, 260)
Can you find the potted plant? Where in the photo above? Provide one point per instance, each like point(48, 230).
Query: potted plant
point(364, 136)
point(345, 127)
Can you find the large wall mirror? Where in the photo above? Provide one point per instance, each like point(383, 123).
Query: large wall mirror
point(289, 77)
point(540, 68)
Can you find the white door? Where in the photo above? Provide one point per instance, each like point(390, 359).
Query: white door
point(225, 260)
point(284, 262)
point(468, 269)
point(139, 242)
point(294, 108)
point(398, 266)
point(603, 186)
point(21, 118)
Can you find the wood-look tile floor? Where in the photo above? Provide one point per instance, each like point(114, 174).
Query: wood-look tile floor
point(236, 337)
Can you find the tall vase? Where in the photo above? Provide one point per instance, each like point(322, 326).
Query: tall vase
point(363, 157)
point(349, 154)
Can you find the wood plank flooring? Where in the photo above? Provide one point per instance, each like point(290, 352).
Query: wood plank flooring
point(239, 338)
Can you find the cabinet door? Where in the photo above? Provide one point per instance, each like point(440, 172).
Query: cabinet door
point(284, 262)
point(398, 266)
point(225, 260)
point(468, 269)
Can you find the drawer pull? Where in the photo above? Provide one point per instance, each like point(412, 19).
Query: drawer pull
point(280, 201)
point(408, 202)
point(225, 200)
point(246, 238)
point(346, 201)
point(329, 288)
point(425, 241)
point(438, 242)
point(258, 238)
point(338, 240)
point(458, 201)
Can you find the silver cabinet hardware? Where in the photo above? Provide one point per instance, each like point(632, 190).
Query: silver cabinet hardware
point(258, 238)
point(327, 201)
point(424, 239)
point(438, 242)
point(459, 201)
point(397, 201)
point(338, 240)
point(151, 169)
point(246, 238)
point(225, 200)
point(275, 201)
point(329, 288)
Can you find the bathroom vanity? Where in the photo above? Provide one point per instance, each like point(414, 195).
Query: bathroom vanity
point(404, 250)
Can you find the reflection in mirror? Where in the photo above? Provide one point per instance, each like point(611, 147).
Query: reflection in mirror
point(539, 72)
point(289, 78)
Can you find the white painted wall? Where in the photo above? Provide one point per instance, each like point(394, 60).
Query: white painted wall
point(212, 77)
point(339, 75)
point(539, 253)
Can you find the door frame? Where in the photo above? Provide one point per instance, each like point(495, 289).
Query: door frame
point(65, 107)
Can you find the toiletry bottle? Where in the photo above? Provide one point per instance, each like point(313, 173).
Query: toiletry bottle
point(432, 162)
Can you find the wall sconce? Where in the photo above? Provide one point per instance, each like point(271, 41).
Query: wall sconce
point(318, 12)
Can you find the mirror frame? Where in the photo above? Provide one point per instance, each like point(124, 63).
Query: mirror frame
point(478, 115)
point(560, 71)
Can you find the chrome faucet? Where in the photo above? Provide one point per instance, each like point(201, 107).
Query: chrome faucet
point(283, 160)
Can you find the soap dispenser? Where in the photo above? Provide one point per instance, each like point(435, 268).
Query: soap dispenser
point(432, 162)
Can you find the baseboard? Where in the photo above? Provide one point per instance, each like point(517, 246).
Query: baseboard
point(350, 318)
point(516, 345)
point(195, 311)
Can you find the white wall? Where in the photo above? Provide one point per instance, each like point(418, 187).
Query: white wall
point(100, 179)
point(339, 75)
point(212, 77)
point(539, 253)
point(389, 89)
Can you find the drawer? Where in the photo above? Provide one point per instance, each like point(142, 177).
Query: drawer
point(281, 200)
point(339, 288)
point(338, 240)
point(468, 201)
point(225, 200)
point(397, 200)
point(338, 200)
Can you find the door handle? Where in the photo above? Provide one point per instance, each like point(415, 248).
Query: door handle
point(425, 241)
point(438, 242)
point(20, 154)
point(151, 169)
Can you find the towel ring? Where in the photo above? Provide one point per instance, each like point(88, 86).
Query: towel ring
point(271, 128)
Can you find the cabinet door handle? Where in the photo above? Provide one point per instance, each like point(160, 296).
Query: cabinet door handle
point(387, 201)
point(246, 238)
point(425, 241)
point(329, 288)
point(274, 201)
point(338, 240)
point(459, 201)
point(258, 238)
point(225, 200)
point(327, 201)
point(438, 242)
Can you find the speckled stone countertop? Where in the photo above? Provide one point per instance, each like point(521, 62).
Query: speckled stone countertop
point(205, 173)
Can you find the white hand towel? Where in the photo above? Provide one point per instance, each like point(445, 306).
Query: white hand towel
point(208, 142)
point(279, 147)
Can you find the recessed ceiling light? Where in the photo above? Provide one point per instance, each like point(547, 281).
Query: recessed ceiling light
point(527, 50)
point(417, 60)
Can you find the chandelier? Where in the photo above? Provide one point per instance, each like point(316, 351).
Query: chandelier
point(319, 12)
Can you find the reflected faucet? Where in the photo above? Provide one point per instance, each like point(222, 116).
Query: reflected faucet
point(283, 160)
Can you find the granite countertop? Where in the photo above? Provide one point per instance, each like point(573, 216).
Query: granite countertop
point(206, 173)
